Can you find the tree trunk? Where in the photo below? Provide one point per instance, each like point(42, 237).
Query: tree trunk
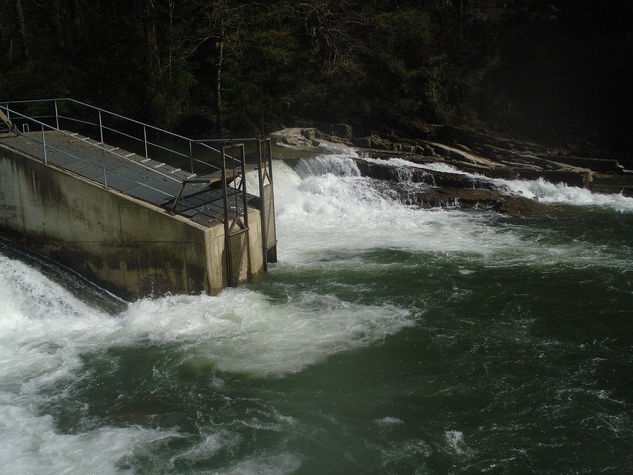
point(171, 39)
point(22, 30)
point(218, 79)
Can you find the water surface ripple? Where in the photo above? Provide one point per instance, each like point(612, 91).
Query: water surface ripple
point(388, 338)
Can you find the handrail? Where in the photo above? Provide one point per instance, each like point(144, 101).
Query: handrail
point(232, 171)
point(114, 114)
point(201, 143)
point(103, 149)
point(78, 116)
point(135, 138)
point(243, 139)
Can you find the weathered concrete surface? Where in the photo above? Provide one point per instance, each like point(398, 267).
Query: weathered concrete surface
point(125, 245)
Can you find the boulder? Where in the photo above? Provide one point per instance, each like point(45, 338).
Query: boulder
point(309, 133)
point(420, 175)
point(469, 198)
point(296, 141)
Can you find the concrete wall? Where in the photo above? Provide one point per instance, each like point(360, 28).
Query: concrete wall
point(127, 246)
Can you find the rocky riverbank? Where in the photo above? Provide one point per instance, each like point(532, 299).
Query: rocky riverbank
point(474, 163)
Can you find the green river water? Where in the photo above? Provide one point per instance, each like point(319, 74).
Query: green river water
point(388, 339)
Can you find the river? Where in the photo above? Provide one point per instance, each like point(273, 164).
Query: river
point(388, 339)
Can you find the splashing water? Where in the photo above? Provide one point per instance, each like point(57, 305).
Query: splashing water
point(388, 338)
point(540, 190)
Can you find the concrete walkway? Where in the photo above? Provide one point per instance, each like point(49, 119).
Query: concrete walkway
point(130, 173)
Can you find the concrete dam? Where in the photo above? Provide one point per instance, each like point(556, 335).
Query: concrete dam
point(137, 210)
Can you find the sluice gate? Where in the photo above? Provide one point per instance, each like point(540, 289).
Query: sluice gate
point(135, 208)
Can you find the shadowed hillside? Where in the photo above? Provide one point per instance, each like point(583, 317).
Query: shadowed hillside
point(556, 72)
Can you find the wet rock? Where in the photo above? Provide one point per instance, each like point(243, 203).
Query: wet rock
point(616, 184)
point(296, 141)
point(419, 175)
point(523, 207)
point(430, 188)
point(602, 165)
point(448, 197)
point(337, 133)
point(308, 133)
point(497, 163)
point(362, 142)
point(294, 137)
point(373, 142)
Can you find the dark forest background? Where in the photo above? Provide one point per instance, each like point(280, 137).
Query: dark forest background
point(556, 71)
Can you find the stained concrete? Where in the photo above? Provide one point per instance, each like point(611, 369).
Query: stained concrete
point(129, 247)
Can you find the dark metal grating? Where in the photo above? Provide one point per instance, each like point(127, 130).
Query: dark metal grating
point(201, 201)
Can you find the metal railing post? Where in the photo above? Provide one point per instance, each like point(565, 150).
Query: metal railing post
point(44, 145)
point(100, 127)
point(245, 207)
point(262, 206)
point(105, 176)
point(243, 184)
point(191, 155)
point(227, 225)
point(56, 116)
point(145, 140)
point(269, 144)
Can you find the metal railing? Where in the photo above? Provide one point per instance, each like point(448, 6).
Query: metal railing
point(107, 126)
point(64, 114)
point(103, 130)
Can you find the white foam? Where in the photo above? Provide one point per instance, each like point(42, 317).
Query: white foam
point(43, 328)
point(241, 330)
point(547, 192)
point(455, 442)
point(389, 421)
point(339, 148)
point(30, 444)
point(539, 190)
point(45, 331)
point(335, 164)
point(433, 166)
point(334, 214)
point(209, 446)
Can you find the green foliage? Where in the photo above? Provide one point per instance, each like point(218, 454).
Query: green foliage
point(380, 65)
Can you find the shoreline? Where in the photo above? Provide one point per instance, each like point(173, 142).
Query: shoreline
point(470, 155)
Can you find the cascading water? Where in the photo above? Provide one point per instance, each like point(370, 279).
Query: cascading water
point(388, 338)
point(540, 189)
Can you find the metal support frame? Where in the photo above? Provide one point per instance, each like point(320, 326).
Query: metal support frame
point(100, 128)
point(233, 218)
point(191, 155)
point(145, 140)
point(267, 200)
point(44, 145)
point(56, 116)
point(177, 199)
point(6, 118)
point(233, 165)
point(105, 173)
